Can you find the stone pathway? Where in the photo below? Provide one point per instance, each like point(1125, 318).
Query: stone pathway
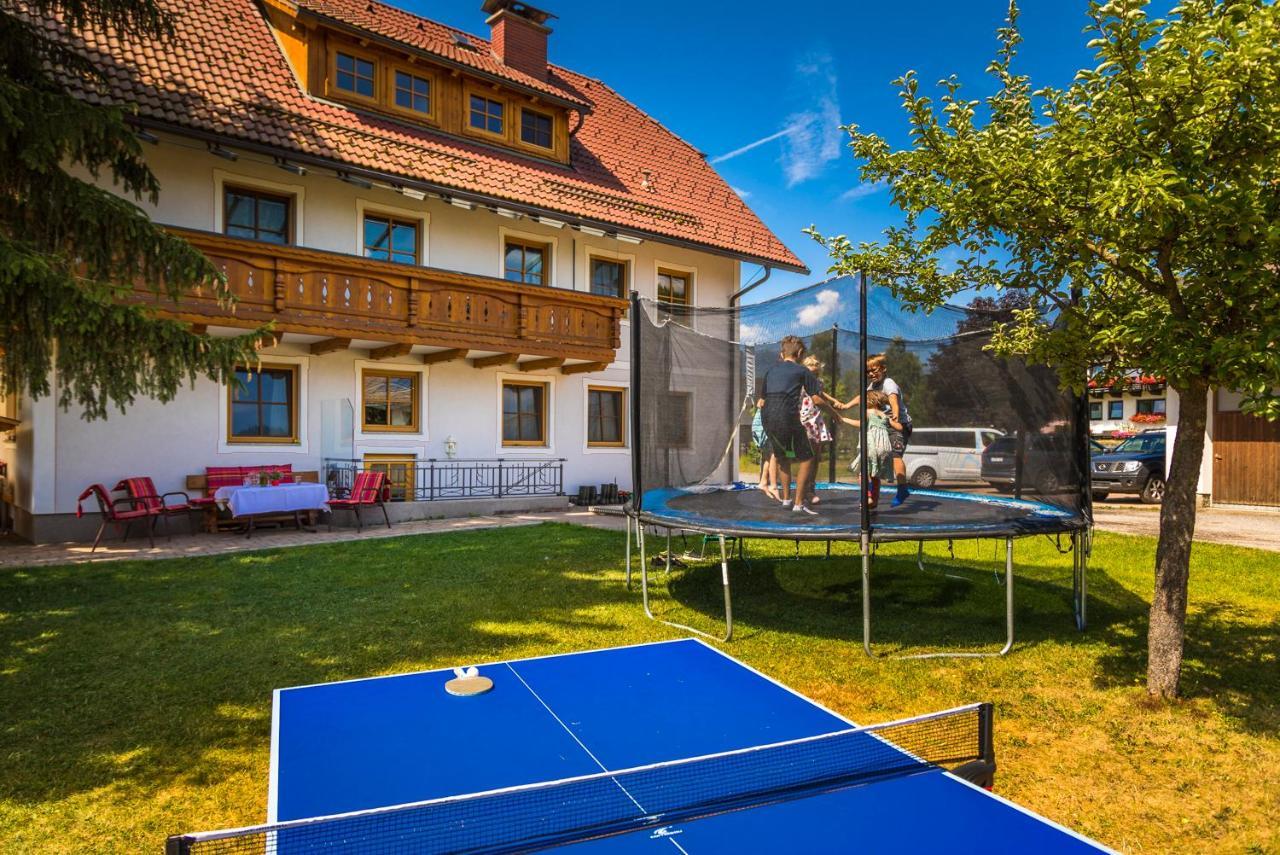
point(1259, 529)
point(15, 553)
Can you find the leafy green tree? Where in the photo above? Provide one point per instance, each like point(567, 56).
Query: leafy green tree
point(1139, 210)
point(71, 251)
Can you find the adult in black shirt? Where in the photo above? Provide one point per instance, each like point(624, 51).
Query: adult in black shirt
point(780, 391)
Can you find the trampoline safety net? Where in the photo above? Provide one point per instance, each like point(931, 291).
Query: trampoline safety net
point(996, 446)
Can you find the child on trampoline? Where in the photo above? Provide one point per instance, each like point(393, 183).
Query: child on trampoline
point(780, 392)
point(879, 452)
point(768, 466)
point(878, 380)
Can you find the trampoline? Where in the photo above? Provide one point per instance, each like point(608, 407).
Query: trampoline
point(740, 510)
point(695, 380)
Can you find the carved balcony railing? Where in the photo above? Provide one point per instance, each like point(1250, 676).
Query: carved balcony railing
point(343, 296)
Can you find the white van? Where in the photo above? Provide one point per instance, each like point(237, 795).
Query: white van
point(946, 454)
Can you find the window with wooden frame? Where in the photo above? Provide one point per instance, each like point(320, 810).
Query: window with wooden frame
point(525, 261)
point(674, 286)
point(401, 471)
point(675, 420)
point(537, 128)
point(609, 276)
point(1115, 410)
point(1095, 411)
point(354, 74)
point(388, 238)
point(411, 92)
point(257, 215)
point(487, 115)
point(263, 405)
point(1151, 406)
point(524, 413)
point(389, 401)
point(606, 417)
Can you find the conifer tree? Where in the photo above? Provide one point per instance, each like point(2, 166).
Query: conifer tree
point(70, 251)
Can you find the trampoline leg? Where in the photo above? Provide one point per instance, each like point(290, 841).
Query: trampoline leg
point(667, 572)
point(728, 599)
point(864, 547)
point(1080, 547)
point(1008, 595)
point(628, 519)
point(1008, 612)
point(920, 555)
point(644, 589)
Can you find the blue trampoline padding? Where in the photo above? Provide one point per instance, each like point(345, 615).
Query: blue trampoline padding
point(381, 741)
point(926, 515)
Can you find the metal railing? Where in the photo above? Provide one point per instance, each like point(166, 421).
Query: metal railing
point(432, 479)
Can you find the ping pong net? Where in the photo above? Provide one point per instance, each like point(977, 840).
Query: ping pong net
point(556, 813)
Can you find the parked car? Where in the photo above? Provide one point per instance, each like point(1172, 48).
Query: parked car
point(946, 454)
point(1134, 466)
point(1047, 464)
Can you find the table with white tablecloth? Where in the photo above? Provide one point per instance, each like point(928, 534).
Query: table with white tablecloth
point(253, 502)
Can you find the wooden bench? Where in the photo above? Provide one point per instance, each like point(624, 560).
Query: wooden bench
point(214, 521)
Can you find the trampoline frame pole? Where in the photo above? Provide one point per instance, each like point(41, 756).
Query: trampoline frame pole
point(724, 575)
point(975, 654)
point(627, 517)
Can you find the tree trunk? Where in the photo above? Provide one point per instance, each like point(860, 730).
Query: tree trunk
point(1173, 552)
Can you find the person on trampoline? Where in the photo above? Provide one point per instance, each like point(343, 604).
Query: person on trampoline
point(879, 453)
point(781, 390)
point(878, 380)
point(768, 465)
point(814, 423)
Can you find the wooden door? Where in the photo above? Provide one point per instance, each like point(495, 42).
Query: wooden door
point(1246, 457)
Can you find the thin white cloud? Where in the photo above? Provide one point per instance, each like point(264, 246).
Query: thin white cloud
point(813, 138)
point(742, 194)
point(861, 191)
point(826, 304)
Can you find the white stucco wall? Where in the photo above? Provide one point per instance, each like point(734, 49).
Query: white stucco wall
point(57, 453)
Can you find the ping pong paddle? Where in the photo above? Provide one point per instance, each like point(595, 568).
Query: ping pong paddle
point(467, 682)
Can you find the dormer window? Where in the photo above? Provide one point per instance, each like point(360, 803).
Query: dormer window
point(487, 115)
point(412, 92)
point(535, 128)
point(355, 74)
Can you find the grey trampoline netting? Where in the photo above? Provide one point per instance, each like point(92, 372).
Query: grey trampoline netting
point(695, 374)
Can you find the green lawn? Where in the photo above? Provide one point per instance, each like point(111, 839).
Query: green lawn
point(135, 698)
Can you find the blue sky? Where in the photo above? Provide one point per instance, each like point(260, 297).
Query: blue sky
point(761, 88)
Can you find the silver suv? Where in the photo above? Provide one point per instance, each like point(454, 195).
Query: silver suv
point(946, 454)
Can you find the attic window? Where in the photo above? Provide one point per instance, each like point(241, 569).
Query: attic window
point(355, 75)
point(486, 115)
point(535, 128)
point(413, 92)
point(462, 41)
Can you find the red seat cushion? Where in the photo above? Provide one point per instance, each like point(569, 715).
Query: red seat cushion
point(202, 501)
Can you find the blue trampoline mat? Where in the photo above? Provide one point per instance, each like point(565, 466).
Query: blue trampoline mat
point(926, 515)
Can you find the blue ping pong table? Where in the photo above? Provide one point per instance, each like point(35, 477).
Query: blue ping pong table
point(353, 746)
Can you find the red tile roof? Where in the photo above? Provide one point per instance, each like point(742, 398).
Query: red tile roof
point(224, 75)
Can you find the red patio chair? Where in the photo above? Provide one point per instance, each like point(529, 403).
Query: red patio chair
point(369, 490)
point(143, 491)
point(112, 513)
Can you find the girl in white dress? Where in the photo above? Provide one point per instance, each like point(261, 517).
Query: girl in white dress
point(878, 455)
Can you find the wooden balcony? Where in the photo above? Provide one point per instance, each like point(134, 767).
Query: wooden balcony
point(344, 297)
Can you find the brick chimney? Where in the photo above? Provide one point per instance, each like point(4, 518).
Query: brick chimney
point(518, 33)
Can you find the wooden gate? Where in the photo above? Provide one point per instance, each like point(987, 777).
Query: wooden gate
point(1246, 459)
